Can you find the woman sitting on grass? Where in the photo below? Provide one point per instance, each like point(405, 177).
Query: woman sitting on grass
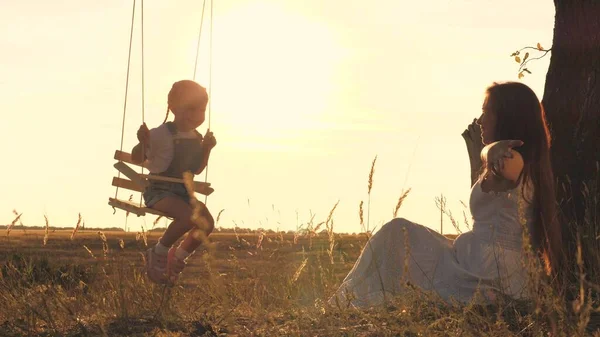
point(515, 191)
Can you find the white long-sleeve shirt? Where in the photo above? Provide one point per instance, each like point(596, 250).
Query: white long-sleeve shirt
point(160, 152)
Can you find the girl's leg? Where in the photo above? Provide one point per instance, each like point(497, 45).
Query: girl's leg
point(177, 257)
point(191, 242)
point(156, 257)
point(181, 212)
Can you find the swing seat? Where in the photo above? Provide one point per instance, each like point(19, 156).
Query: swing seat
point(137, 182)
point(134, 208)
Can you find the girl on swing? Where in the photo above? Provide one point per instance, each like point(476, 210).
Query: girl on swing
point(170, 150)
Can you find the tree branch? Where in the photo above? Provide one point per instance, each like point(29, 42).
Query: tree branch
point(531, 59)
point(534, 48)
point(526, 59)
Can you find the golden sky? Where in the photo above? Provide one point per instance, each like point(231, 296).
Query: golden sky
point(304, 95)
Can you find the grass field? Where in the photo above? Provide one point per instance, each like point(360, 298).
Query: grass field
point(243, 285)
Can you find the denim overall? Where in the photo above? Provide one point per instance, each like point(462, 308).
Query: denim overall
point(187, 156)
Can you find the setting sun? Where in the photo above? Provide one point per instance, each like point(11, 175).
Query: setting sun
point(279, 76)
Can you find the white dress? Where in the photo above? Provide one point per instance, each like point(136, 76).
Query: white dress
point(488, 257)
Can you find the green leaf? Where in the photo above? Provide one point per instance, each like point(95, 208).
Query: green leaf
point(526, 56)
point(539, 46)
point(517, 59)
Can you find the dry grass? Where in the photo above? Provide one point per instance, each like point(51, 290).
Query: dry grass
point(91, 283)
point(249, 287)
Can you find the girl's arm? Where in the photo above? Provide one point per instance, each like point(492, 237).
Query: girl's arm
point(158, 151)
point(138, 153)
point(208, 142)
point(205, 156)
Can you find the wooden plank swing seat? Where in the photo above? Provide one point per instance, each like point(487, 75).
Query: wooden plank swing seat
point(137, 182)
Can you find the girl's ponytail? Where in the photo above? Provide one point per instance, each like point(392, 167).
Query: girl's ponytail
point(166, 116)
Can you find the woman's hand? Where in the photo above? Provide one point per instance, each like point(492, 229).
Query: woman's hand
point(503, 167)
point(494, 155)
point(473, 132)
point(472, 137)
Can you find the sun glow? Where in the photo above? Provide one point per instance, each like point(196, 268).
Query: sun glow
point(273, 70)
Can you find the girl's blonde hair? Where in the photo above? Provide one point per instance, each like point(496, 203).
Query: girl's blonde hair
point(177, 91)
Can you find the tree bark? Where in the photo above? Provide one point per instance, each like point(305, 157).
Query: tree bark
point(572, 103)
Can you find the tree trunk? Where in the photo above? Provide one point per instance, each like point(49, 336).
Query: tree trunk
point(572, 103)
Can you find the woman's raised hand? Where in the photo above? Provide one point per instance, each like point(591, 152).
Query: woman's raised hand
point(494, 155)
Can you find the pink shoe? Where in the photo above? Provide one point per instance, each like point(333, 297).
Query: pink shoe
point(156, 266)
point(174, 266)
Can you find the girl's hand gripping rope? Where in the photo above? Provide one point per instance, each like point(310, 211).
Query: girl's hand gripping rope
point(209, 140)
point(143, 135)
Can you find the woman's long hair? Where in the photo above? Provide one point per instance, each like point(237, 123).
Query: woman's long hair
point(521, 116)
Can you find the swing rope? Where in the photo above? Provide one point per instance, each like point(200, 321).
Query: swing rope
point(199, 36)
point(210, 54)
point(126, 90)
point(209, 71)
point(143, 105)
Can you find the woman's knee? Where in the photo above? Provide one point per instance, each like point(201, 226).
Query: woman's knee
point(398, 223)
point(396, 226)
